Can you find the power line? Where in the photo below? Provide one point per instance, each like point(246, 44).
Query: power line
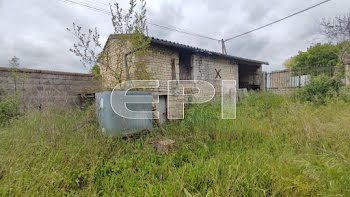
point(107, 12)
point(101, 10)
point(97, 2)
point(183, 32)
point(296, 13)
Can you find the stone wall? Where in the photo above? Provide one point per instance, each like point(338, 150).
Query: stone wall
point(159, 64)
point(39, 89)
point(112, 64)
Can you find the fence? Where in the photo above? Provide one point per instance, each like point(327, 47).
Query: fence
point(296, 78)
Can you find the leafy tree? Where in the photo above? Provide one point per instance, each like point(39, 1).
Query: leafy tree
point(290, 62)
point(319, 57)
point(332, 54)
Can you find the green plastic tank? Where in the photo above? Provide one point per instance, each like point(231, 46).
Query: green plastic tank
point(139, 107)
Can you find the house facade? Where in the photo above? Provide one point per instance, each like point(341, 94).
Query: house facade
point(174, 61)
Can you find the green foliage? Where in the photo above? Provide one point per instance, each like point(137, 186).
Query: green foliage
point(137, 49)
point(9, 109)
point(321, 89)
point(290, 63)
point(95, 70)
point(18, 77)
point(316, 57)
point(139, 44)
point(283, 149)
point(344, 93)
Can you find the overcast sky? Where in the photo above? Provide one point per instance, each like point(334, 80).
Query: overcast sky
point(35, 30)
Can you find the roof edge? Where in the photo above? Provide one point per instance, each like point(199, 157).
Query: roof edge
point(193, 49)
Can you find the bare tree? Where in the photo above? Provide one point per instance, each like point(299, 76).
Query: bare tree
point(132, 21)
point(132, 27)
point(338, 30)
point(87, 46)
point(15, 74)
point(14, 62)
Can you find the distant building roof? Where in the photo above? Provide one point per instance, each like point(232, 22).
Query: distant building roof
point(197, 50)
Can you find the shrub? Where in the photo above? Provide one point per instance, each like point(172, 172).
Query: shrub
point(321, 89)
point(8, 109)
point(344, 94)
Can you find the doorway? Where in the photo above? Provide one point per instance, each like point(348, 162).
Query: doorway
point(185, 67)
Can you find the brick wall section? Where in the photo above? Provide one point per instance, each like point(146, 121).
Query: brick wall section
point(39, 88)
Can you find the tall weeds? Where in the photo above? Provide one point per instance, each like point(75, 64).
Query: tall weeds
point(275, 147)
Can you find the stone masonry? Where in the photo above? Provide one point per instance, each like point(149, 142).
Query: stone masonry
point(214, 70)
point(164, 62)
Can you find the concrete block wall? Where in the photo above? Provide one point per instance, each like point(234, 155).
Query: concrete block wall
point(160, 65)
point(206, 67)
point(39, 89)
point(158, 61)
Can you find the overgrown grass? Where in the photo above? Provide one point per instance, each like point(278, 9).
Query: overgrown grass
point(275, 147)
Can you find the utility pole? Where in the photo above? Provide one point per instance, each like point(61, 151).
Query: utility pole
point(223, 47)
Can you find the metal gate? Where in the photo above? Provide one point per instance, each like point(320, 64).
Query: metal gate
point(289, 79)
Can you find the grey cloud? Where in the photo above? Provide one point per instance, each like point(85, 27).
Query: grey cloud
point(249, 47)
point(259, 11)
point(167, 14)
point(37, 34)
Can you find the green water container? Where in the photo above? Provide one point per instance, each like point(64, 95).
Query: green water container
point(117, 120)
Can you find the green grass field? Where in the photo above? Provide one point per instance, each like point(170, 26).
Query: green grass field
point(276, 147)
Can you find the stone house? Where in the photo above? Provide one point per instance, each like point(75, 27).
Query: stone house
point(174, 61)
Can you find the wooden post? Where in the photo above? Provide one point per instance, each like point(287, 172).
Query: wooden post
point(263, 81)
point(173, 69)
point(347, 71)
point(223, 47)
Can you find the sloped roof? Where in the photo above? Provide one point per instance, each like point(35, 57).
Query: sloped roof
point(199, 50)
point(180, 46)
